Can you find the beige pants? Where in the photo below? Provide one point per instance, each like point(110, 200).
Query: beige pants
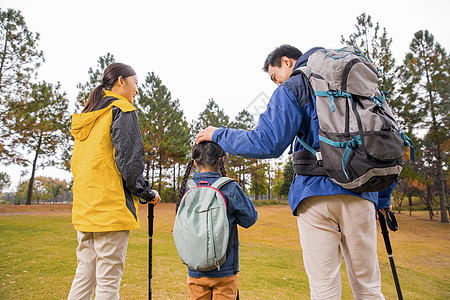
point(204, 288)
point(329, 225)
point(100, 264)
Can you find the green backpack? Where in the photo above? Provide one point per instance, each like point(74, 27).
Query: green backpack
point(201, 230)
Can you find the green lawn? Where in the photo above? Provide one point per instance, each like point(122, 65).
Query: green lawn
point(37, 258)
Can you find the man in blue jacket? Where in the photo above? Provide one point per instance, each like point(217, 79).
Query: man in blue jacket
point(331, 219)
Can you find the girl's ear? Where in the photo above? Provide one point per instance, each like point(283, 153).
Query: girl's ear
point(195, 163)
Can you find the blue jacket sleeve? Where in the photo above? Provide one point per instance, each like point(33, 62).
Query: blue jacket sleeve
point(384, 197)
point(242, 208)
point(276, 129)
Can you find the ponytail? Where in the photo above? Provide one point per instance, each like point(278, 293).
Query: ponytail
point(183, 183)
point(223, 172)
point(94, 98)
point(110, 76)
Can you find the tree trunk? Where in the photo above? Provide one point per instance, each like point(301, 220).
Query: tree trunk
point(174, 183)
point(399, 203)
point(160, 175)
point(3, 56)
point(178, 181)
point(153, 173)
point(441, 179)
point(410, 203)
point(33, 170)
point(147, 170)
point(441, 190)
point(268, 195)
point(430, 212)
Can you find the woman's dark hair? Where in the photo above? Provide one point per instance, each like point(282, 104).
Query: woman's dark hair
point(205, 154)
point(110, 76)
point(274, 58)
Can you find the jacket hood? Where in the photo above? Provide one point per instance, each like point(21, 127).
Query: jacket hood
point(304, 58)
point(82, 123)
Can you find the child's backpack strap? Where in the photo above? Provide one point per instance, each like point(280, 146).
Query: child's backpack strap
point(221, 182)
point(233, 234)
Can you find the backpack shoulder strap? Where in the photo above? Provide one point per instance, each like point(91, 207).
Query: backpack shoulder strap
point(191, 184)
point(221, 182)
point(305, 70)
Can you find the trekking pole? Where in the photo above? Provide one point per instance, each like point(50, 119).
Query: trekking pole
point(392, 223)
point(150, 247)
point(150, 217)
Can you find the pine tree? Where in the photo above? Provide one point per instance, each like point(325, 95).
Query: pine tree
point(19, 56)
point(238, 166)
point(42, 122)
point(212, 115)
point(288, 175)
point(258, 174)
point(425, 84)
point(19, 60)
point(5, 181)
point(164, 129)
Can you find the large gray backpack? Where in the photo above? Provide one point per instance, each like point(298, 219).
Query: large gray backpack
point(201, 230)
point(361, 146)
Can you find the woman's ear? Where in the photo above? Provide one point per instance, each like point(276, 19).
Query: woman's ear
point(120, 81)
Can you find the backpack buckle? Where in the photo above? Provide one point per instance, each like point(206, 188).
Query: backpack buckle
point(319, 156)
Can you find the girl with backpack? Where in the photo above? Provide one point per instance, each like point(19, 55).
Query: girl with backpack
point(220, 282)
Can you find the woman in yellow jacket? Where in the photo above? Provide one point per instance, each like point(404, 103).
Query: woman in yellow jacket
point(107, 167)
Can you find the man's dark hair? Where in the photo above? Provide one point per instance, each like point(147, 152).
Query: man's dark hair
point(274, 58)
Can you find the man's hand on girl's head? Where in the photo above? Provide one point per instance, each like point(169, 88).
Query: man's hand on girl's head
point(206, 134)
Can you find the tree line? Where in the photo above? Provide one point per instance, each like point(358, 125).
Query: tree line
point(35, 119)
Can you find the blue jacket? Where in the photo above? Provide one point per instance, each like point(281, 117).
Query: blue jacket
point(241, 210)
point(290, 112)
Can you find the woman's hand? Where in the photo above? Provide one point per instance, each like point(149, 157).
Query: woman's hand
point(157, 198)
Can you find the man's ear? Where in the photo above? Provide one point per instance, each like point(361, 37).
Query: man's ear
point(285, 60)
point(288, 61)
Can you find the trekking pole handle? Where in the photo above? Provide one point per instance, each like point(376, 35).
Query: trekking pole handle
point(384, 231)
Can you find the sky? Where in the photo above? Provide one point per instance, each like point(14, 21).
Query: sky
point(205, 49)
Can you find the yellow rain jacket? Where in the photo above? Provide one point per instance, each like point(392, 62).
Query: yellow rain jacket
point(107, 166)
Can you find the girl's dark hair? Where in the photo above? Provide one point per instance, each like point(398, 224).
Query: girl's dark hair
point(110, 76)
point(205, 154)
point(274, 58)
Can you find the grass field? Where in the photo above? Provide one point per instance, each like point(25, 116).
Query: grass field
point(37, 257)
